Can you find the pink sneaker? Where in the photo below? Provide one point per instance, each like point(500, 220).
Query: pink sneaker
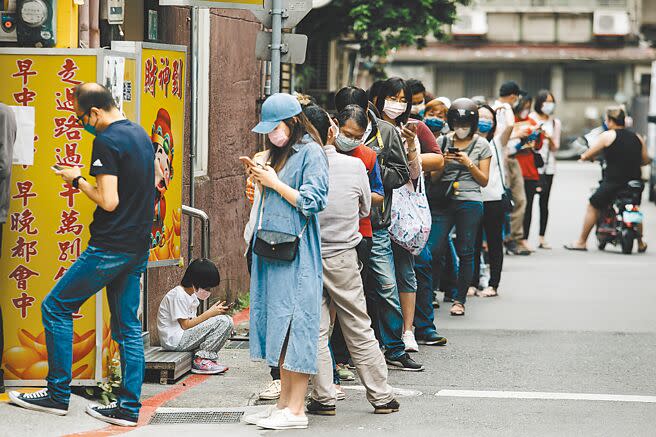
point(207, 367)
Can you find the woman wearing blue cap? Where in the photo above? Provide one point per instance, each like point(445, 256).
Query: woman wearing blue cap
point(286, 278)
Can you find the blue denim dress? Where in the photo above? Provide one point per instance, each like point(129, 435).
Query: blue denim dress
point(286, 296)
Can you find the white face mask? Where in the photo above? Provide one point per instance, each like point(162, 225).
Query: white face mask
point(416, 109)
point(394, 109)
point(202, 294)
point(524, 114)
point(462, 132)
point(346, 144)
point(548, 108)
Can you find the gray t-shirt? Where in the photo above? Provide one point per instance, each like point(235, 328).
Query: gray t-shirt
point(468, 188)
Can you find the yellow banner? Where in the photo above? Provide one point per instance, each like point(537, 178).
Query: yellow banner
point(162, 115)
point(48, 220)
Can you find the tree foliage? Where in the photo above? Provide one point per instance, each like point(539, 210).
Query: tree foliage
point(380, 25)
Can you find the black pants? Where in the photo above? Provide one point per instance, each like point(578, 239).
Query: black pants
point(547, 181)
point(492, 224)
point(531, 189)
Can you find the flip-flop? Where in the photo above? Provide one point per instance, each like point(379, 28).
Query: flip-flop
point(579, 249)
point(544, 246)
point(642, 249)
point(457, 309)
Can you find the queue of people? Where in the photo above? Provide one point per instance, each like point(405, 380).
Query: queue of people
point(371, 209)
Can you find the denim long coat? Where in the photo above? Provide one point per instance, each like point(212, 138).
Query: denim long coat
point(286, 295)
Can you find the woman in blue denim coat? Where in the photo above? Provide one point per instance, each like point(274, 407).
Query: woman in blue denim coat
point(286, 295)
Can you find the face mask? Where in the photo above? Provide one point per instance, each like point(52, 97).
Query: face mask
point(278, 137)
point(434, 124)
point(202, 294)
point(548, 107)
point(446, 129)
point(524, 114)
point(88, 127)
point(484, 126)
point(462, 132)
point(416, 109)
point(367, 132)
point(422, 113)
point(346, 144)
point(394, 109)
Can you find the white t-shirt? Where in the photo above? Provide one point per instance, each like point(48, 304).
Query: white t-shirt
point(494, 189)
point(177, 304)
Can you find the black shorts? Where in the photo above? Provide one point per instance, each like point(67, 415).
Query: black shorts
point(606, 194)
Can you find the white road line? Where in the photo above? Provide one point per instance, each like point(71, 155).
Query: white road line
point(544, 395)
point(403, 392)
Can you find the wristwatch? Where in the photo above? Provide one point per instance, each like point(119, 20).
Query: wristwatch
point(76, 182)
point(471, 165)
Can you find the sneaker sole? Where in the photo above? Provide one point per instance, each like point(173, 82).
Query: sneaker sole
point(386, 410)
point(412, 349)
point(322, 413)
point(278, 428)
point(208, 372)
point(120, 422)
point(268, 397)
point(21, 403)
point(398, 366)
point(441, 342)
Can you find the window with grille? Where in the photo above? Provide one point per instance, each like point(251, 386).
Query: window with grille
point(591, 84)
point(317, 62)
point(479, 83)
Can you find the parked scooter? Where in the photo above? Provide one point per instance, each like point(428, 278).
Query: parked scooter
point(620, 223)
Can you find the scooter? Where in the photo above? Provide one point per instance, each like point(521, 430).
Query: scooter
point(620, 223)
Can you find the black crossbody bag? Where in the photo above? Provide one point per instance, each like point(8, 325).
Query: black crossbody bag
point(275, 244)
point(507, 202)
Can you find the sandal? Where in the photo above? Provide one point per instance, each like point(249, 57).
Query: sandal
point(544, 246)
point(457, 309)
point(643, 248)
point(575, 248)
point(489, 292)
point(472, 291)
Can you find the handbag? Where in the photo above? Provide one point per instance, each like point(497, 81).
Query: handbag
point(275, 244)
point(507, 202)
point(537, 158)
point(410, 217)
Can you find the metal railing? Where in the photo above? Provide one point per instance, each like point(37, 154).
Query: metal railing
point(204, 238)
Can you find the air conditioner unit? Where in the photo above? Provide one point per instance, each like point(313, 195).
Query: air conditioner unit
point(611, 23)
point(469, 23)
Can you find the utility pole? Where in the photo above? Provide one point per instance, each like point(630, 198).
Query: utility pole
point(276, 44)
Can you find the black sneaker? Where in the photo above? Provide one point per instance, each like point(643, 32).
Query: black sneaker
point(404, 362)
point(111, 414)
point(316, 407)
point(433, 339)
point(390, 407)
point(38, 401)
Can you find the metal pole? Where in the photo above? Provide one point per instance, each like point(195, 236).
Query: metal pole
point(194, 123)
point(276, 41)
point(205, 237)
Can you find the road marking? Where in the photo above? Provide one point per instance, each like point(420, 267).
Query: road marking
point(544, 395)
point(403, 392)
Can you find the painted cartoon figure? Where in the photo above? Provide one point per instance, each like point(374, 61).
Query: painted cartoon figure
point(162, 139)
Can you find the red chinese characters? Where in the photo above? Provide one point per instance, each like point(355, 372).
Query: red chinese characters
point(164, 76)
point(70, 158)
point(176, 88)
point(67, 72)
point(69, 250)
point(69, 194)
point(69, 223)
point(25, 96)
point(22, 222)
point(22, 303)
point(68, 126)
point(59, 273)
point(150, 81)
point(24, 249)
point(65, 104)
point(24, 192)
point(21, 274)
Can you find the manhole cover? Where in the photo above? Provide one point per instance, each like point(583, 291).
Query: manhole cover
point(196, 417)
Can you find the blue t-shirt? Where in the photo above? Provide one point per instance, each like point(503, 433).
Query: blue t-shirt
point(125, 150)
point(376, 181)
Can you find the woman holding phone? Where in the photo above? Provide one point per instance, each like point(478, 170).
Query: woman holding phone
point(286, 294)
point(467, 169)
point(394, 102)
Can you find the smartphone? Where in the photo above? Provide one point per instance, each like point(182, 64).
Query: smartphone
point(56, 167)
point(452, 150)
point(249, 162)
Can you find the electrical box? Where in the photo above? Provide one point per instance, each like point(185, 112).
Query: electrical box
point(8, 21)
point(113, 11)
point(36, 23)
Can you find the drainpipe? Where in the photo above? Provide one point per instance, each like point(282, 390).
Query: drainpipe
point(94, 23)
point(194, 123)
point(83, 18)
point(276, 44)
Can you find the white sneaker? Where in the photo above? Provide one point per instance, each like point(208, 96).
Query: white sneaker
point(339, 393)
point(252, 419)
point(272, 392)
point(410, 342)
point(284, 419)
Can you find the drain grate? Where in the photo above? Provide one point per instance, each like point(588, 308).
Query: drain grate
point(196, 417)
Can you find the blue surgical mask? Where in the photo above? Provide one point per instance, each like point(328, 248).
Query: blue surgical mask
point(90, 129)
point(484, 126)
point(434, 124)
point(345, 144)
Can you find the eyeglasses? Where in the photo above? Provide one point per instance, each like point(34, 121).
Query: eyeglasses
point(80, 118)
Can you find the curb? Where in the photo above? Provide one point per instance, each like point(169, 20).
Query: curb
point(242, 316)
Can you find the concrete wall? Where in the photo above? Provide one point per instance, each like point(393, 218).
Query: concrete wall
point(234, 90)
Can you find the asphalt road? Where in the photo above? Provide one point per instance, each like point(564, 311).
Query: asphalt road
point(566, 326)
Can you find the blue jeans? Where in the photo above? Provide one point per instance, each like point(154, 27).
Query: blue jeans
point(466, 216)
point(383, 291)
point(95, 269)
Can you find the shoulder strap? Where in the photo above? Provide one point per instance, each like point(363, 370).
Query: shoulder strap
point(496, 152)
point(259, 224)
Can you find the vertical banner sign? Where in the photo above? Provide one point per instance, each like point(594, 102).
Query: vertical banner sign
point(48, 220)
point(162, 115)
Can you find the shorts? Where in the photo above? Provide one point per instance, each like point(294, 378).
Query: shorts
point(606, 194)
point(404, 266)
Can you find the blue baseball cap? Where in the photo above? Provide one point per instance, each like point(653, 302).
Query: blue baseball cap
point(276, 108)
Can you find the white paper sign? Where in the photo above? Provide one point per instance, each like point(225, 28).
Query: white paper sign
point(24, 146)
point(113, 78)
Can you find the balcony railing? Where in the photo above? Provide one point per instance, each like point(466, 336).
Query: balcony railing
point(578, 5)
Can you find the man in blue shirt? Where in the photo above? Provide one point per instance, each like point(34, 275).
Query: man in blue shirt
point(122, 162)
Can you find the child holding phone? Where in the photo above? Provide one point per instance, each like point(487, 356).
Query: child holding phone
point(181, 329)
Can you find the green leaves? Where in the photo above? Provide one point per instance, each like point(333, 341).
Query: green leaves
point(380, 25)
